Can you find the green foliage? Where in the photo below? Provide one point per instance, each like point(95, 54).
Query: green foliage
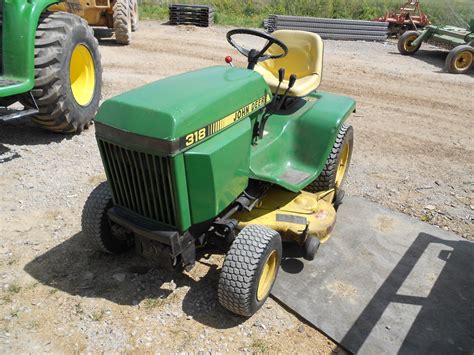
point(252, 13)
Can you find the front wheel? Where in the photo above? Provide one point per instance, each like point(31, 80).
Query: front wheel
point(95, 222)
point(459, 59)
point(250, 269)
point(405, 41)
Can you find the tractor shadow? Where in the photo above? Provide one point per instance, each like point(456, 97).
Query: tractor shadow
point(22, 132)
point(435, 57)
point(131, 280)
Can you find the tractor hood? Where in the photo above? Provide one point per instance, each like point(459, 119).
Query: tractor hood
point(171, 108)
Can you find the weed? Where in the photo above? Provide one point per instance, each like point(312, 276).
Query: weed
point(259, 346)
point(98, 315)
point(14, 288)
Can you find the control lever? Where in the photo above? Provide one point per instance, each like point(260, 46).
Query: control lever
point(291, 83)
point(269, 111)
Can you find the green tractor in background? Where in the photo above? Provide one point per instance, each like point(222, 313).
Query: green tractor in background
point(50, 63)
point(459, 41)
point(227, 159)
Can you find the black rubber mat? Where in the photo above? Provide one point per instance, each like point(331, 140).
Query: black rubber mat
point(385, 283)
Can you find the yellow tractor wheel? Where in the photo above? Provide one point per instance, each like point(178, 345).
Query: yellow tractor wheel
point(68, 73)
point(250, 269)
point(405, 45)
point(459, 59)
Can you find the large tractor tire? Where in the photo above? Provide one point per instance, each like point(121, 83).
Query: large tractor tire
point(122, 17)
point(336, 167)
point(135, 15)
point(459, 59)
point(405, 41)
point(250, 269)
point(95, 223)
point(68, 73)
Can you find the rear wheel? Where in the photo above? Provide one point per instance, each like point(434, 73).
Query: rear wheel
point(122, 17)
point(405, 41)
point(459, 59)
point(95, 222)
point(336, 167)
point(250, 269)
point(68, 73)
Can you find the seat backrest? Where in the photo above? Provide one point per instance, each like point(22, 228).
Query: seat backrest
point(305, 54)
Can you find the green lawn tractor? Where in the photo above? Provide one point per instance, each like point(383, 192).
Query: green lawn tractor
point(225, 159)
point(459, 41)
point(50, 65)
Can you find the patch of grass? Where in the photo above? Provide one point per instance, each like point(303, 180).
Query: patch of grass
point(6, 299)
point(14, 288)
point(78, 308)
point(259, 346)
point(251, 13)
point(151, 303)
point(14, 313)
point(98, 315)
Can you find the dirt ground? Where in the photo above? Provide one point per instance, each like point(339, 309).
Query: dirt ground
point(413, 153)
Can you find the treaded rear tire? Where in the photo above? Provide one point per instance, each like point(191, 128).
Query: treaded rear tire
point(243, 265)
point(122, 18)
point(327, 179)
point(57, 36)
point(95, 223)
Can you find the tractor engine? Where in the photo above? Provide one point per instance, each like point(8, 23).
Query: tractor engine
point(176, 152)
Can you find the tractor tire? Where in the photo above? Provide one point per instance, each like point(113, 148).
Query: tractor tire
point(68, 73)
point(459, 59)
point(250, 269)
point(122, 18)
point(337, 164)
point(95, 222)
point(404, 43)
point(135, 15)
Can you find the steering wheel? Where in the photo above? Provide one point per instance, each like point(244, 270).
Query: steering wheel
point(253, 55)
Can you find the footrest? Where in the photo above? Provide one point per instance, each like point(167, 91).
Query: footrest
point(10, 114)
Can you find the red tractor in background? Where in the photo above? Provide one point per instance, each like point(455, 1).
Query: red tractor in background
point(409, 18)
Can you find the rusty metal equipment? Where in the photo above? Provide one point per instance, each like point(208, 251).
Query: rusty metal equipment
point(410, 17)
point(119, 15)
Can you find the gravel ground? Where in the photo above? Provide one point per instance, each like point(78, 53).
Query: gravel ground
point(413, 153)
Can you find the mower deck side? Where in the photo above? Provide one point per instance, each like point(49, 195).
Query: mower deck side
point(294, 215)
point(297, 144)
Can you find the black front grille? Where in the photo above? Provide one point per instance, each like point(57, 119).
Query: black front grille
point(140, 182)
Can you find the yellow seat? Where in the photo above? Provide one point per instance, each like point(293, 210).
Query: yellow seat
point(304, 59)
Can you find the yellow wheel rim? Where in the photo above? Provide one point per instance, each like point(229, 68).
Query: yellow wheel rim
point(343, 165)
point(407, 44)
point(463, 60)
point(82, 75)
point(267, 276)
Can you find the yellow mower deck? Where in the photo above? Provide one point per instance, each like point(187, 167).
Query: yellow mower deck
point(294, 215)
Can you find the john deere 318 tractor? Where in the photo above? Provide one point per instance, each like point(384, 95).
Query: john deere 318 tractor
point(50, 63)
point(225, 158)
